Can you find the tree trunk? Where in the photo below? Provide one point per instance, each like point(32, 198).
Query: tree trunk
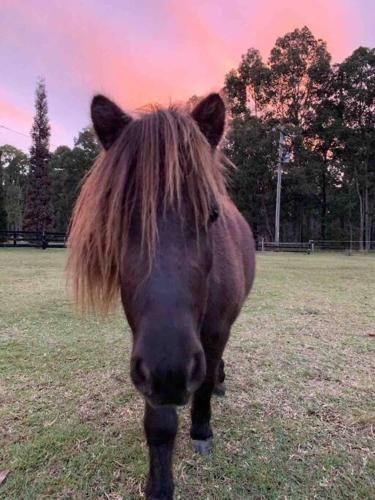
point(323, 213)
point(301, 224)
point(361, 215)
point(367, 218)
point(266, 219)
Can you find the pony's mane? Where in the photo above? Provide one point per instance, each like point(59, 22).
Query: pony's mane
point(160, 161)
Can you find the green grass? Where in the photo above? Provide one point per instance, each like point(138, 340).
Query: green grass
point(297, 422)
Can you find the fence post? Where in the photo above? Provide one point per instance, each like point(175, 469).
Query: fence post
point(44, 241)
point(262, 241)
point(14, 239)
point(311, 246)
point(350, 247)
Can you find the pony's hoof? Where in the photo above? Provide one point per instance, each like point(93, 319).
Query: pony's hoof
point(219, 389)
point(202, 446)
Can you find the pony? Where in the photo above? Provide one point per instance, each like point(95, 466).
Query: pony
point(154, 225)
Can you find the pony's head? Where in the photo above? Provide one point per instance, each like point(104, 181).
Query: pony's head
point(142, 225)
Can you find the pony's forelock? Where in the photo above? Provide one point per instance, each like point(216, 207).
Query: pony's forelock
point(161, 160)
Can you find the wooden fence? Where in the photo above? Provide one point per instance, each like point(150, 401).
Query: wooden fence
point(32, 239)
point(58, 240)
point(313, 246)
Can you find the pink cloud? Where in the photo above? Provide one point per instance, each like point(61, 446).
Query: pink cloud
point(94, 55)
point(153, 51)
point(13, 114)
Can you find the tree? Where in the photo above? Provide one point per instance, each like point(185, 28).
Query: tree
point(192, 102)
point(15, 166)
point(68, 168)
point(299, 66)
point(288, 91)
point(3, 213)
point(356, 98)
point(322, 145)
point(60, 164)
point(245, 88)
point(288, 87)
point(251, 146)
point(38, 214)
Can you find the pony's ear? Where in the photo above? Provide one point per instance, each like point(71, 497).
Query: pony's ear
point(108, 120)
point(210, 116)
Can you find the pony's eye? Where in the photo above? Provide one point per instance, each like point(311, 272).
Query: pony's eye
point(214, 214)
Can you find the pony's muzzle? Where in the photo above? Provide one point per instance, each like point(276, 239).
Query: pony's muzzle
point(166, 385)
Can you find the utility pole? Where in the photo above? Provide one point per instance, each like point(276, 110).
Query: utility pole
point(278, 189)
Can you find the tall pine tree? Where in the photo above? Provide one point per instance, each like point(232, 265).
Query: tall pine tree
point(38, 209)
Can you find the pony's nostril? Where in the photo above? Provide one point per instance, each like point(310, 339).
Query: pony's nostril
point(139, 372)
point(197, 371)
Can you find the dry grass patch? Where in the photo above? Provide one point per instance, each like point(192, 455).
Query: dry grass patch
point(297, 422)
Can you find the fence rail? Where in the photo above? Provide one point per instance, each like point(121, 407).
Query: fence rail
point(32, 239)
point(58, 240)
point(315, 246)
point(284, 246)
point(343, 245)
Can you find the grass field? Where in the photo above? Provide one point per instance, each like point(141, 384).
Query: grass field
point(298, 420)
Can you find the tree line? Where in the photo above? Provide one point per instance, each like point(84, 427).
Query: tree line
point(37, 191)
point(327, 115)
point(325, 111)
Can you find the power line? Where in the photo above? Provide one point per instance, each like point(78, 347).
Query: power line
point(21, 133)
point(15, 131)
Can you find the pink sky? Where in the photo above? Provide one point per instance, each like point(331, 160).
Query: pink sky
point(147, 50)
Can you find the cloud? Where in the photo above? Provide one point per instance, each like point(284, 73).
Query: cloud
point(15, 118)
point(13, 115)
point(148, 51)
point(202, 41)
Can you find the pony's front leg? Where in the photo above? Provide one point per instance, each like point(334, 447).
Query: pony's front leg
point(200, 431)
point(160, 428)
point(219, 389)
